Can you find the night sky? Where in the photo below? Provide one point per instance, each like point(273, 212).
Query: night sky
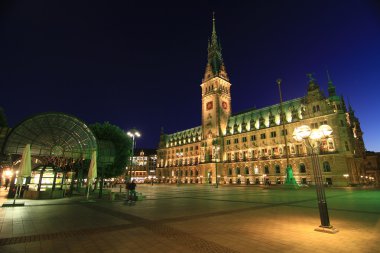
point(140, 64)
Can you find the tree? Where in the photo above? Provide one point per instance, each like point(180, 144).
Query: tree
point(113, 149)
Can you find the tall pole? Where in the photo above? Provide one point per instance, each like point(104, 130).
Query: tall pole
point(133, 134)
point(282, 118)
point(179, 155)
point(130, 167)
point(216, 166)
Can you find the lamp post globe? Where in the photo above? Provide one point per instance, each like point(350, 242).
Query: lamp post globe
point(311, 138)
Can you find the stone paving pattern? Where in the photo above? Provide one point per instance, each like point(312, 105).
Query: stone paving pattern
point(195, 218)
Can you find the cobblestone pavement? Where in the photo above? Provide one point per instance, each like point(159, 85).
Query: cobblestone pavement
point(195, 218)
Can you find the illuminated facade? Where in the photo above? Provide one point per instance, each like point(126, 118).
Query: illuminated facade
point(249, 147)
point(144, 164)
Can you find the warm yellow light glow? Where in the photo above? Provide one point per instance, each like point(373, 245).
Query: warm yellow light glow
point(316, 134)
point(302, 132)
point(8, 173)
point(326, 130)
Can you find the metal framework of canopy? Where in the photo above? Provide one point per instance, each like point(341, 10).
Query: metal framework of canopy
point(53, 137)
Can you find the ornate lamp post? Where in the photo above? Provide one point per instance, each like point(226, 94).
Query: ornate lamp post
point(133, 134)
point(217, 160)
point(179, 155)
point(311, 138)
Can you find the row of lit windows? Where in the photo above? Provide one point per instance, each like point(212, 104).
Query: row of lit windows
point(183, 141)
point(316, 125)
point(237, 171)
point(273, 134)
point(277, 169)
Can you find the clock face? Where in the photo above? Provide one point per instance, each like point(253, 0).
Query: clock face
point(224, 105)
point(209, 105)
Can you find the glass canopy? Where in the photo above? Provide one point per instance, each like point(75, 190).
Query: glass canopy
point(52, 135)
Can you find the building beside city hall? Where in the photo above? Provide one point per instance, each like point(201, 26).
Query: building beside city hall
point(249, 147)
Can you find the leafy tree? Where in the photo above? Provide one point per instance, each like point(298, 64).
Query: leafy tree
point(112, 162)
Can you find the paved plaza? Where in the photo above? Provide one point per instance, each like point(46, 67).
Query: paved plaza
point(195, 218)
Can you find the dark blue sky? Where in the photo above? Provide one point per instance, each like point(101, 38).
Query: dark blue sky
point(140, 63)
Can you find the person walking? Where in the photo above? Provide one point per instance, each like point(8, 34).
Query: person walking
point(132, 191)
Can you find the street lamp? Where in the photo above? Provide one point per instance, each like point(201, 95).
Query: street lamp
point(217, 160)
point(179, 155)
point(289, 171)
point(133, 134)
point(311, 138)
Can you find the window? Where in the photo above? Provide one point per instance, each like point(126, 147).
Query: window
point(273, 134)
point(277, 168)
point(262, 136)
point(316, 108)
point(326, 167)
point(228, 142)
point(346, 145)
point(237, 171)
point(266, 169)
point(314, 125)
point(246, 171)
point(323, 122)
point(244, 139)
point(253, 137)
point(229, 172)
point(236, 140)
point(282, 132)
point(302, 168)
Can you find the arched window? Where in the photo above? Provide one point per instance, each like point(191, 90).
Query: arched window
point(277, 168)
point(246, 171)
point(302, 168)
point(237, 171)
point(326, 167)
point(266, 169)
point(186, 173)
point(229, 172)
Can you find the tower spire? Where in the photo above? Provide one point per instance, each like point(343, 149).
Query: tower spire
point(331, 87)
point(215, 65)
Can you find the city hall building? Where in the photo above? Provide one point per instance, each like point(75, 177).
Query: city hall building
point(249, 147)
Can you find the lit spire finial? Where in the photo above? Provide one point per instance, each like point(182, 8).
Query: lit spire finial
point(328, 76)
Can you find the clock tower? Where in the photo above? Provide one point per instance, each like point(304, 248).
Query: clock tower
point(216, 98)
